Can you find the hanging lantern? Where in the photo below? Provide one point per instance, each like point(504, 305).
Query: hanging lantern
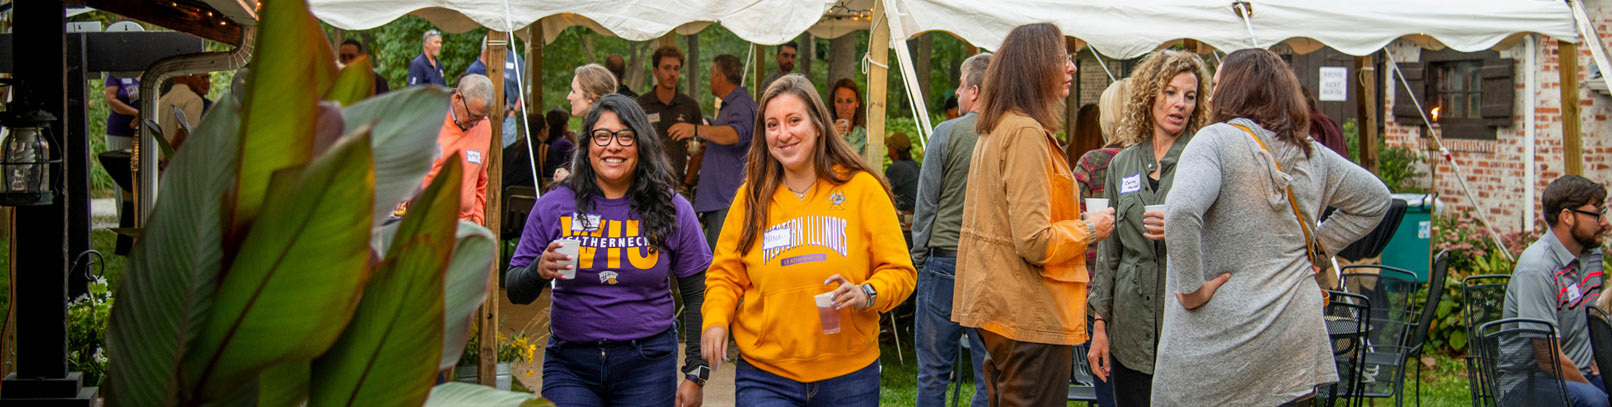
point(27, 157)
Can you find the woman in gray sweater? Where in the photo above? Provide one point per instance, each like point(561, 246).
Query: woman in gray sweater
point(1244, 325)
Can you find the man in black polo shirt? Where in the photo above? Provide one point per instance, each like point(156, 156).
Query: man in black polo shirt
point(666, 106)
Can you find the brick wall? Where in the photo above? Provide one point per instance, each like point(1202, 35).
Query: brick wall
point(1495, 170)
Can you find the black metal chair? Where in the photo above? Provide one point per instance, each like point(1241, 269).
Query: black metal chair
point(1483, 297)
point(1507, 364)
point(1082, 384)
point(1601, 338)
point(1399, 323)
point(1394, 317)
point(1348, 321)
point(1436, 279)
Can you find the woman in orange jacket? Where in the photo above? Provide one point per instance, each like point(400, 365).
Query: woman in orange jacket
point(813, 231)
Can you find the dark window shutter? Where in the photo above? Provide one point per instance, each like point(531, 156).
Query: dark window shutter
point(1499, 91)
point(1415, 76)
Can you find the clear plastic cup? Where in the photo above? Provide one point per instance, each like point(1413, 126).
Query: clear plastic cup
point(826, 312)
point(1096, 204)
point(569, 247)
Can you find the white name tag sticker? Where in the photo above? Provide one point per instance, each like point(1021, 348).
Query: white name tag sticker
point(473, 156)
point(775, 239)
point(1130, 184)
point(509, 66)
point(591, 224)
point(1573, 293)
point(654, 117)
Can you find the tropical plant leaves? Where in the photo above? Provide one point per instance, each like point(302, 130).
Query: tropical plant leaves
point(297, 273)
point(466, 288)
point(167, 291)
point(354, 83)
point(381, 358)
point(279, 113)
point(406, 123)
point(470, 395)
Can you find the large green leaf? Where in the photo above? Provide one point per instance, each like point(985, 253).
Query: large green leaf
point(172, 273)
point(466, 288)
point(284, 385)
point(385, 357)
point(470, 395)
point(295, 280)
point(291, 69)
point(355, 82)
point(406, 125)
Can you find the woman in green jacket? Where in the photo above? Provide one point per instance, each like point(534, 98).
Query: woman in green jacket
point(1167, 104)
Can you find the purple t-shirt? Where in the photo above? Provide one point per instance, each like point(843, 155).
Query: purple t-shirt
point(621, 291)
point(118, 124)
point(723, 167)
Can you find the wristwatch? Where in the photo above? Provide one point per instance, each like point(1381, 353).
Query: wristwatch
point(698, 375)
point(872, 294)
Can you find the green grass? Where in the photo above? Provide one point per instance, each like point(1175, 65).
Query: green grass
point(1445, 384)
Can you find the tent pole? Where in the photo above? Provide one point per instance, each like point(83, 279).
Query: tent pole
point(1572, 146)
point(534, 33)
point(497, 44)
point(915, 97)
point(878, 68)
point(1365, 110)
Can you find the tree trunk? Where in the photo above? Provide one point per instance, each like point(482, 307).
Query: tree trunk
point(691, 69)
point(920, 48)
point(808, 52)
point(637, 52)
point(843, 62)
point(587, 48)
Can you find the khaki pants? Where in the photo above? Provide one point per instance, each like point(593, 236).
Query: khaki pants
point(1025, 373)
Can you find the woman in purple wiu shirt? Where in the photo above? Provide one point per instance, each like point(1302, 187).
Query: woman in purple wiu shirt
point(614, 339)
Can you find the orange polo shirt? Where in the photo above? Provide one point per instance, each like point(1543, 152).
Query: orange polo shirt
point(472, 146)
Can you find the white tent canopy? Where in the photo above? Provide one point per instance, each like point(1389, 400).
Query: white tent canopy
point(757, 21)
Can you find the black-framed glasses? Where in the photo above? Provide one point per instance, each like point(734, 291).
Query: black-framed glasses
point(624, 137)
point(1597, 215)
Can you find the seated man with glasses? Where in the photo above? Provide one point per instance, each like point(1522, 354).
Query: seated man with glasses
point(467, 132)
point(1556, 278)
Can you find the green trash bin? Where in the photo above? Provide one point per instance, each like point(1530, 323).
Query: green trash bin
point(1411, 245)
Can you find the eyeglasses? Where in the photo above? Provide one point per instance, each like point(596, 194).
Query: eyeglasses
point(624, 137)
point(1069, 57)
point(1597, 215)
point(345, 58)
point(474, 118)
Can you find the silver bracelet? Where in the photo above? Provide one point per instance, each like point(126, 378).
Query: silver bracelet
point(1091, 231)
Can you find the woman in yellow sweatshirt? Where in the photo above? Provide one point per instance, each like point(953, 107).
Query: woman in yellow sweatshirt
point(811, 219)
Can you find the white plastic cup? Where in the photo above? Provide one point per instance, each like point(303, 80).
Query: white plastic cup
point(826, 312)
point(1096, 204)
point(569, 247)
point(1151, 208)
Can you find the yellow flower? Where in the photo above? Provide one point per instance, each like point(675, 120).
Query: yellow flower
point(528, 372)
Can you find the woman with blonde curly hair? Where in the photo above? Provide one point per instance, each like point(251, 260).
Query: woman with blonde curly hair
point(1164, 108)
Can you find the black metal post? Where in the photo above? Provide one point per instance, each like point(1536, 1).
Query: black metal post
point(77, 152)
point(40, 267)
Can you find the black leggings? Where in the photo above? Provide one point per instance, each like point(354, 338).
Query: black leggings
point(1131, 388)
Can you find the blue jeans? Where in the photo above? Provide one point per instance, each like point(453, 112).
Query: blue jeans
point(640, 372)
point(758, 388)
point(937, 336)
point(1578, 394)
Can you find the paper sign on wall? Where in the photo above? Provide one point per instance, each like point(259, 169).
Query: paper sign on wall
point(1334, 84)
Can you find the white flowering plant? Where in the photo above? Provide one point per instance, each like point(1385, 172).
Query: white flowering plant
point(86, 331)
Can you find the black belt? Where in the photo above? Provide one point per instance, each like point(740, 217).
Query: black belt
point(939, 252)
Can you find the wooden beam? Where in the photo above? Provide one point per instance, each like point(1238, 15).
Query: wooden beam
point(1572, 153)
point(1191, 45)
point(1366, 110)
point(758, 69)
point(879, 51)
point(497, 45)
point(691, 68)
point(668, 40)
point(215, 27)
